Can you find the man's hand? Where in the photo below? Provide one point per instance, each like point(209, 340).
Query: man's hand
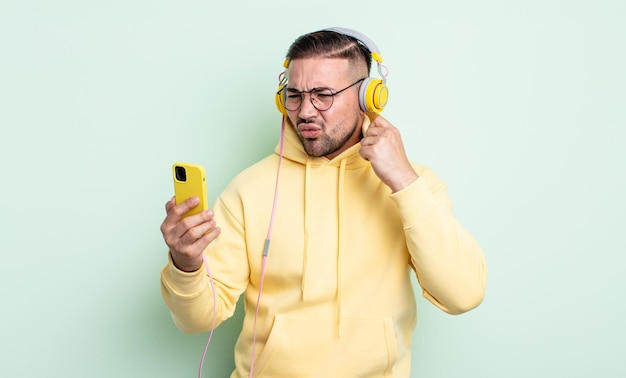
point(382, 147)
point(188, 237)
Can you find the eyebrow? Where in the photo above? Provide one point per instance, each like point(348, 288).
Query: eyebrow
point(293, 90)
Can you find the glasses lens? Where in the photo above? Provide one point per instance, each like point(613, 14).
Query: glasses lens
point(291, 99)
point(322, 99)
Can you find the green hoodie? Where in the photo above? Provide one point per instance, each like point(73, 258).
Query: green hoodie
point(337, 299)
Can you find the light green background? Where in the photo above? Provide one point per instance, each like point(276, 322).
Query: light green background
point(517, 105)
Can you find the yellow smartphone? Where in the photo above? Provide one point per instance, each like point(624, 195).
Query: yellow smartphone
point(189, 181)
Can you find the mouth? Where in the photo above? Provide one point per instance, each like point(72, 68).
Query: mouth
point(309, 131)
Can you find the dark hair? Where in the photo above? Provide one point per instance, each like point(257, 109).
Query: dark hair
point(330, 44)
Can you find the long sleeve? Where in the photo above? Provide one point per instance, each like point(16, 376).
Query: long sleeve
point(448, 262)
point(189, 296)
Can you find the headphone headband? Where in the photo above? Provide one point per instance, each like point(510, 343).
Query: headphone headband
point(376, 55)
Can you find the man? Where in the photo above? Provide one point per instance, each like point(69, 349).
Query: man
point(352, 221)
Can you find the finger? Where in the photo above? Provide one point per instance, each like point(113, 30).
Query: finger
point(169, 204)
point(173, 227)
point(182, 235)
point(378, 126)
point(200, 243)
point(380, 121)
point(209, 237)
point(365, 152)
point(195, 239)
point(170, 220)
point(188, 258)
point(178, 210)
point(204, 220)
point(192, 228)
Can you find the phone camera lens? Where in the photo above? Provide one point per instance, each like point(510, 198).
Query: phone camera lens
point(181, 174)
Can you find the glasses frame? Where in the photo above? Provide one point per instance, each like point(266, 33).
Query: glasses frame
point(293, 92)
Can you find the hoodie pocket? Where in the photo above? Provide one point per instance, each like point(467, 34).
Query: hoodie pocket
point(312, 347)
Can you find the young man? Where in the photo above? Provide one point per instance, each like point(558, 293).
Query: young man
point(353, 220)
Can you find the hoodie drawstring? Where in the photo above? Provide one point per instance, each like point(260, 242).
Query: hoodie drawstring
point(340, 212)
point(305, 257)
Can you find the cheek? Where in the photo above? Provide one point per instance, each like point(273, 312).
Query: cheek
point(293, 117)
point(347, 109)
point(352, 107)
point(349, 112)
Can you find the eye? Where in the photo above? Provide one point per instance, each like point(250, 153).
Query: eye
point(324, 94)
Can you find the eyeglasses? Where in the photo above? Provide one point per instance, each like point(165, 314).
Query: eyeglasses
point(321, 98)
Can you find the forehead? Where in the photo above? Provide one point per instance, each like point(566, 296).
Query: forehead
point(307, 73)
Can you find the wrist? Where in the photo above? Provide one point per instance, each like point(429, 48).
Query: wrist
point(186, 265)
point(403, 180)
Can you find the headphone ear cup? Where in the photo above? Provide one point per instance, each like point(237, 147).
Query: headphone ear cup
point(373, 95)
point(280, 99)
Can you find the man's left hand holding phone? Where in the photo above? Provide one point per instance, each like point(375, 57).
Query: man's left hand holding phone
point(189, 226)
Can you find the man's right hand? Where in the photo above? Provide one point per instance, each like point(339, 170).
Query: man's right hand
point(188, 237)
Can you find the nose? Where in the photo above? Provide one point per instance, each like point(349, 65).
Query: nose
point(307, 110)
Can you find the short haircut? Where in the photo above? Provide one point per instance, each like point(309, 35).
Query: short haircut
point(330, 44)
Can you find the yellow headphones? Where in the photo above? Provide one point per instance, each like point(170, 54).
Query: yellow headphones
point(373, 93)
